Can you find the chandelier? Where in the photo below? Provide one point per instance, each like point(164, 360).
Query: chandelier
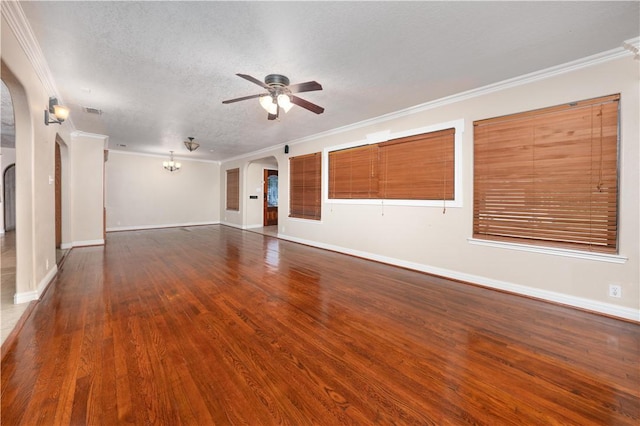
point(171, 165)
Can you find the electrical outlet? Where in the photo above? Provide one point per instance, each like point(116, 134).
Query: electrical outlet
point(615, 290)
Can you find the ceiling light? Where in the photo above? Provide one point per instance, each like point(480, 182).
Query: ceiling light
point(191, 145)
point(171, 165)
point(269, 104)
point(59, 112)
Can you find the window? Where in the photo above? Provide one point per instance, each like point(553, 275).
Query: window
point(416, 167)
point(233, 189)
point(549, 177)
point(304, 192)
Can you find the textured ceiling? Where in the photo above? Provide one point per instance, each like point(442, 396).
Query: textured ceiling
point(159, 71)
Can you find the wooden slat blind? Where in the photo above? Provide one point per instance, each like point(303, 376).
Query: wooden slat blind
point(419, 167)
point(549, 177)
point(304, 186)
point(353, 172)
point(233, 189)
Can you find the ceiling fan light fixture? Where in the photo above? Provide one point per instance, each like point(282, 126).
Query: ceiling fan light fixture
point(285, 102)
point(268, 103)
point(279, 94)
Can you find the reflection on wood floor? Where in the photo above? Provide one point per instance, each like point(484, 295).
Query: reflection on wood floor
point(214, 325)
point(10, 313)
point(266, 230)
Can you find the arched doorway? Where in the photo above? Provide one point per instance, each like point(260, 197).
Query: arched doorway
point(15, 102)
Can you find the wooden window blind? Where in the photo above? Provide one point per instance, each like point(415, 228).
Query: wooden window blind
point(304, 186)
point(233, 189)
point(419, 167)
point(549, 177)
point(353, 172)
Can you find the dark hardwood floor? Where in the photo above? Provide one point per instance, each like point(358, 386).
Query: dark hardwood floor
point(213, 325)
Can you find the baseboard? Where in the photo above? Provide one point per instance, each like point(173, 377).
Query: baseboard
point(25, 297)
point(254, 226)
point(87, 243)
point(168, 225)
point(66, 246)
point(564, 299)
point(28, 296)
point(42, 285)
point(233, 225)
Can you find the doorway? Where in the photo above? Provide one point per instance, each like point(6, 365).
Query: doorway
point(10, 198)
point(270, 207)
point(58, 190)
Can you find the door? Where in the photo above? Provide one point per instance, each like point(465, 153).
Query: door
point(270, 197)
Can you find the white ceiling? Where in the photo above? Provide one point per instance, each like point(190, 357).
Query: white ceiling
point(159, 71)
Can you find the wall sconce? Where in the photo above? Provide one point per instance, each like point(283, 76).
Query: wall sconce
point(171, 165)
point(191, 145)
point(58, 111)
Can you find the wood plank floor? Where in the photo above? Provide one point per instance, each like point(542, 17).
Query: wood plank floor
point(213, 325)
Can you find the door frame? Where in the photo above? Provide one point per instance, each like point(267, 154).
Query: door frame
point(265, 208)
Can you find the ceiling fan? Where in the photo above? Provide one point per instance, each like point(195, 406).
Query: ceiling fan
point(279, 94)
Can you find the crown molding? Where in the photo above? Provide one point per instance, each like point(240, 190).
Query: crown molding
point(19, 25)
point(586, 62)
point(627, 48)
point(178, 157)
point(633, 46)
point(80, 133)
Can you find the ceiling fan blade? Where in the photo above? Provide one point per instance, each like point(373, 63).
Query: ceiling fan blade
point(244, 98)
point(306, 104)
point(309, 86)
point(254, 80)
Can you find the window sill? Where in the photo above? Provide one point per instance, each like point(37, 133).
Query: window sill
point(393, 202)
point(304, 219)
point(600, 257)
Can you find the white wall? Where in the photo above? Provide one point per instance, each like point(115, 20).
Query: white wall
point(141, 194)
point(35, 212)
point(87, 188)
point(7, 158)
point(425, 239)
